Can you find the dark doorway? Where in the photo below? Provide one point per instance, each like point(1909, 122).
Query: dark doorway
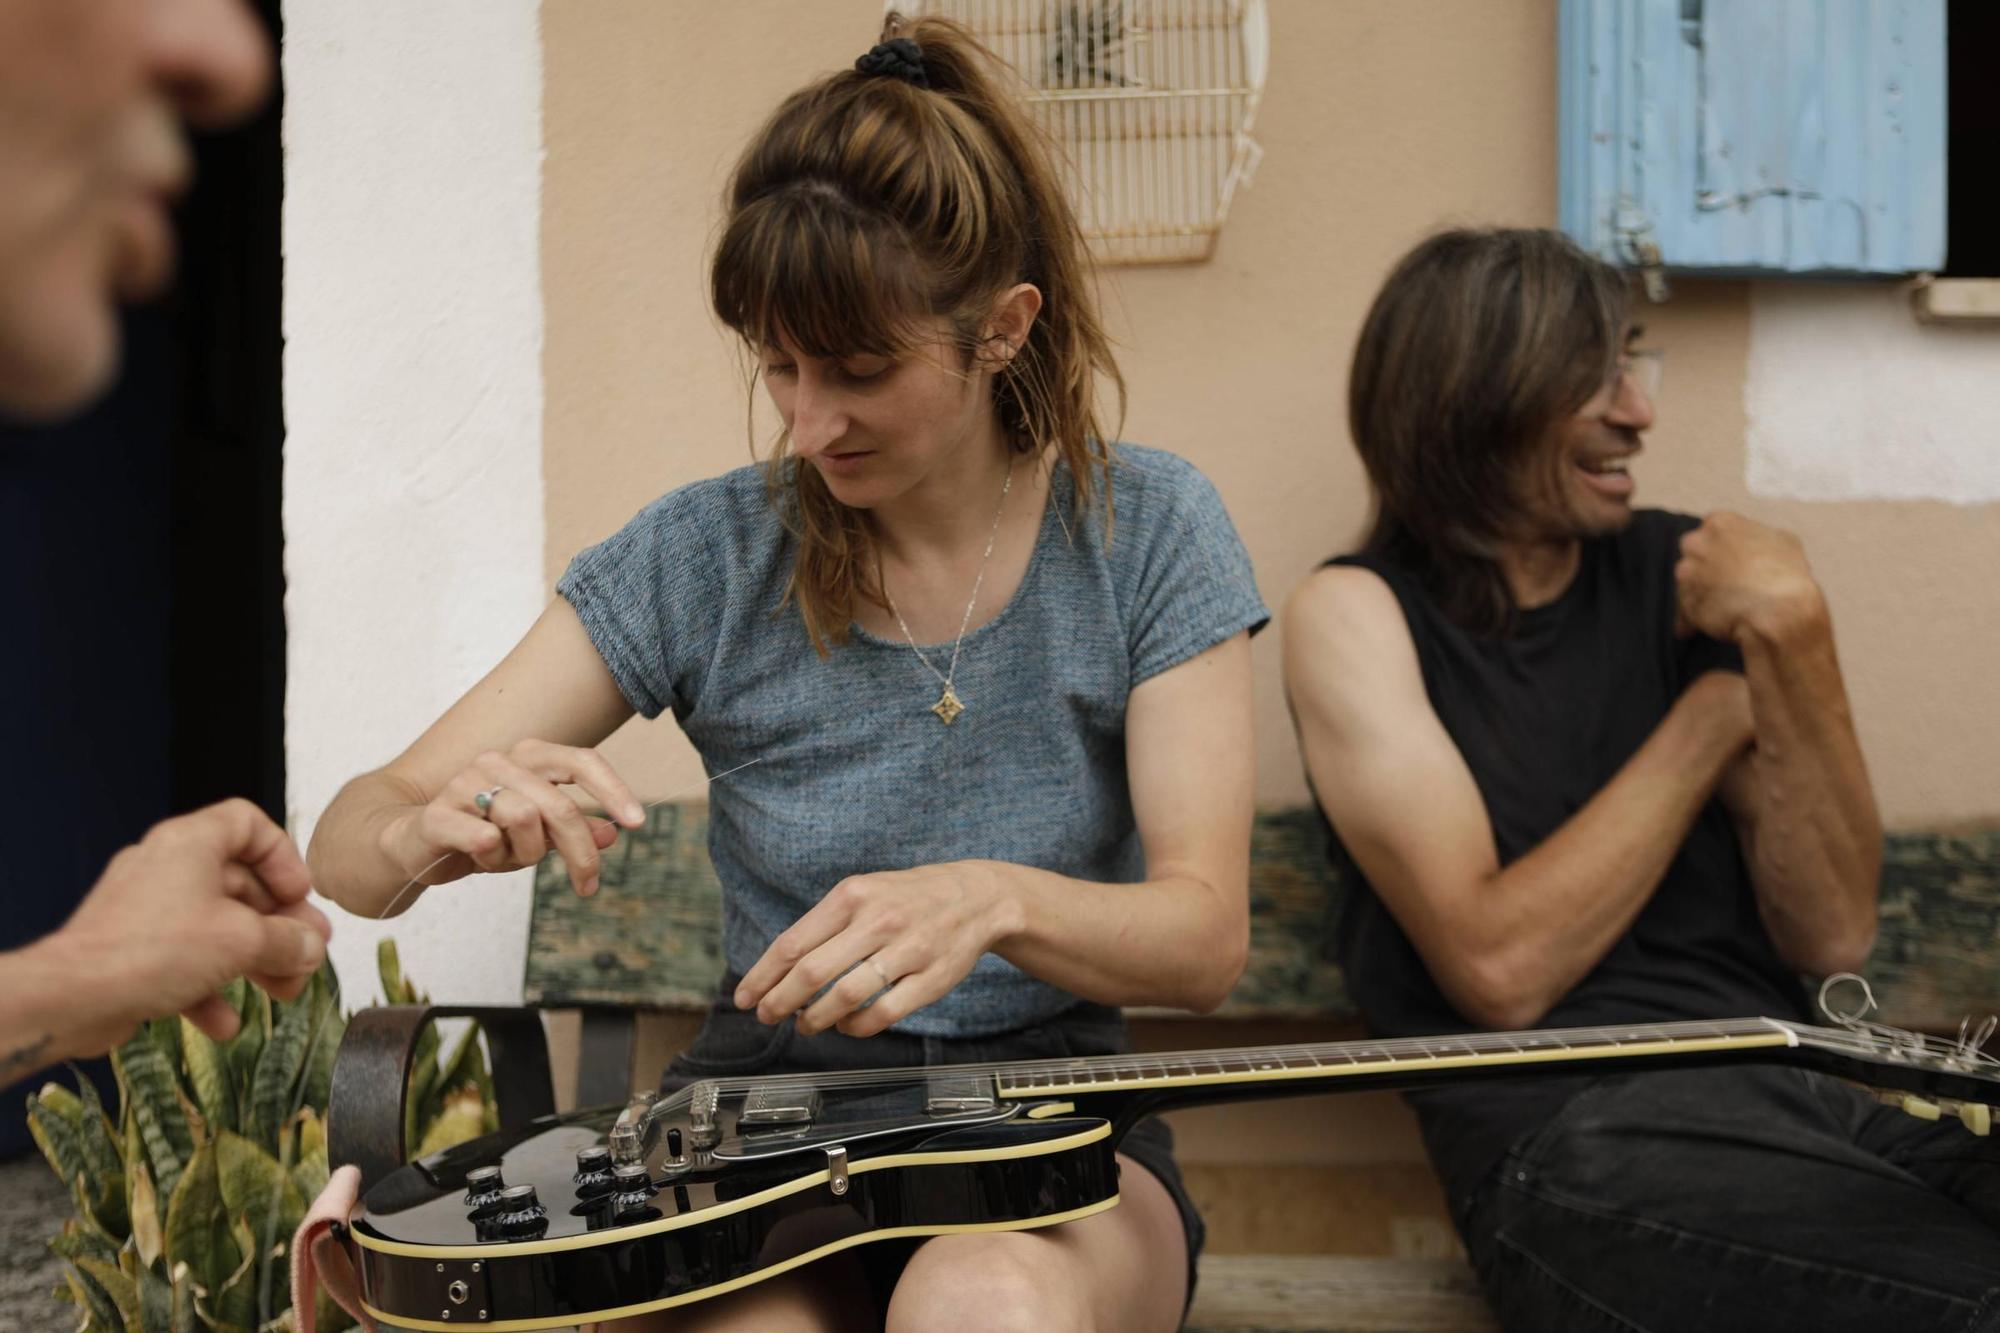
point(1972, 127)
point(143, 555)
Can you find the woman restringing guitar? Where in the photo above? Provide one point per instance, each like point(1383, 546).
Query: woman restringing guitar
point(1003, 744)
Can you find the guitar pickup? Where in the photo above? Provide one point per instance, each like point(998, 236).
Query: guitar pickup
point(769, 1106)
point(960, 1094)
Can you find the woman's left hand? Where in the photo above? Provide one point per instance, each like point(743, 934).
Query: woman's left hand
point(903, 936)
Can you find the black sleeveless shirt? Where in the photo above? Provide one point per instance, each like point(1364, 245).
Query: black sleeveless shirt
point(1545, 717)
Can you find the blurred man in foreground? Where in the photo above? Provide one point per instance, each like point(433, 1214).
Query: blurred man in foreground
point(94, 97)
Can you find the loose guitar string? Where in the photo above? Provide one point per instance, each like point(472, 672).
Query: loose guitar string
point(298, 1103)
point(417, 880)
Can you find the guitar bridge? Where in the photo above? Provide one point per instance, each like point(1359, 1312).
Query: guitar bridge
point(779, 1106)
point(958, 1094)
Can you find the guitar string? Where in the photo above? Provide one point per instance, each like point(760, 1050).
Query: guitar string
point(1550, 1041)
point(298, 1102)
point(1553, 1042)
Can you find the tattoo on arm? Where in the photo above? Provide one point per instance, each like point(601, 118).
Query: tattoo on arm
point(27, 1058)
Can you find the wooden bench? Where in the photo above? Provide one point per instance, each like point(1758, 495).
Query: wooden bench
point(650, 941)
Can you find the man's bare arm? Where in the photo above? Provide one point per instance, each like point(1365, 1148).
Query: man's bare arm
point(1800, 796)
point(1503, 944)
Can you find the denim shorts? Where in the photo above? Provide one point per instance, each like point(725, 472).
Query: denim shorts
point(733, 1043)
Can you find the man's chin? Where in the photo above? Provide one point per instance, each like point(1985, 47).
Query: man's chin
point(1610, 520)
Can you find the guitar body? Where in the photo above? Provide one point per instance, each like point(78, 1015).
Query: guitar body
point(731, 1181)
point(756, 1206)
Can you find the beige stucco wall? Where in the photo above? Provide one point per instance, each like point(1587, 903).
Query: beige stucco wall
point(1380, 121)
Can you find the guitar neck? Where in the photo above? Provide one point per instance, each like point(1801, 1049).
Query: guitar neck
point(1141, 1084)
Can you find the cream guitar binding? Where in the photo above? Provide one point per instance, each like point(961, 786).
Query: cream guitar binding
point(661, 1203)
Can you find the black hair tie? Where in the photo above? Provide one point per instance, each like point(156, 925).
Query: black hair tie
point(897, 58)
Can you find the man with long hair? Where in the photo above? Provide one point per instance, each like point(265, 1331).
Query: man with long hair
point(93, 98)
point(1589, 764)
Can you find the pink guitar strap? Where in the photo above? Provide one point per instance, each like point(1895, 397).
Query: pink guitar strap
point(319, 1261)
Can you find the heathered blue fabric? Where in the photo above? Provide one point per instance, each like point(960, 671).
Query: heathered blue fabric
point(856, 774)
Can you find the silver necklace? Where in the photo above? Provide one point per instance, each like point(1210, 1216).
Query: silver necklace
point(949, 705)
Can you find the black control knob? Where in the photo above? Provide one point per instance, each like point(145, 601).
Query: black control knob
point(631, 1188)
point(674, 1144)
point(593, 1171)
point(519, 1215)
point(482, 1188)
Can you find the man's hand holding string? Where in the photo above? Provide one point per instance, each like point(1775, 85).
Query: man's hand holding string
point(204, 898)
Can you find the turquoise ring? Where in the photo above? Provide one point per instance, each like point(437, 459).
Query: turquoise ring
point(484, 800)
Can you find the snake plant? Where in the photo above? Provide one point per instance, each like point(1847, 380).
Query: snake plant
point(187, 1198)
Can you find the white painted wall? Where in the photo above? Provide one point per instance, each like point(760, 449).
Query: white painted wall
point(413, 402)
point(1849, 398)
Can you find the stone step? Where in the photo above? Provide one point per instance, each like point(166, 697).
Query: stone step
point(1337, 1294)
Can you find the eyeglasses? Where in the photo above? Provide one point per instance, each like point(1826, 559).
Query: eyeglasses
point(1646, 368)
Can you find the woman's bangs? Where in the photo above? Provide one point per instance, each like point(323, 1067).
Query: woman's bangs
point(791, 271)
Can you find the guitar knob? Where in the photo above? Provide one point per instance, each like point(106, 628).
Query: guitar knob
point(482, 1188)
point(1977, 1117)
point(1921, 1108)
point(593, 1171)
point(631, 1188)
point(519, 1215)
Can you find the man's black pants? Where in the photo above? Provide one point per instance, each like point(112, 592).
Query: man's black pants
point(1741, 1198)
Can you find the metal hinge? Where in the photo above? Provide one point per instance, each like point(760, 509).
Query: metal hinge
point(1641, 245)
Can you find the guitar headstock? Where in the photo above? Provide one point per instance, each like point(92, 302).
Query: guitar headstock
point(1951, 1077)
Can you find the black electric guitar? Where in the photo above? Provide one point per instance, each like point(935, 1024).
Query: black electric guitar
point(614, 1212)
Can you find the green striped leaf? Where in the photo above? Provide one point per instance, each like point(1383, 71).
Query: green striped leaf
point(198, 1223)
point(77, 1240)
point(277, 1076)
point(148, 1233)
point(156, 1301)
point(56, 1134)
point(327, 1035)
point(390, 966)
point(102, 1156)
point(182, 1315)
point(208, 1075)
point(152, 1093)
point(232, 1306)
point(423, 1080)
point(116, 1285)
point(245, 1048)
point(101, 1312)
point(256, 1188)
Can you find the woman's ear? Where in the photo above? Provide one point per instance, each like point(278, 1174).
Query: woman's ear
point(1014, 312)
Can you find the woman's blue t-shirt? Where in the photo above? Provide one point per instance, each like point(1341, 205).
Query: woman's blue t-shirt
point(854, 773)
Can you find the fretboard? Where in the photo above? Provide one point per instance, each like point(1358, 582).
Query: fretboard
point(1332, 1060)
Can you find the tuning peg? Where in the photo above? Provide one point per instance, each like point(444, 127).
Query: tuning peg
point(1921, 1108)
point(1977, 1117)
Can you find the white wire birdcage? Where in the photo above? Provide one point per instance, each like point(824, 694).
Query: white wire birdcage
point(1150, 101)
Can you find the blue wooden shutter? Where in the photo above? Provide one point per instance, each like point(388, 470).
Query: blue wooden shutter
point(1755, 136)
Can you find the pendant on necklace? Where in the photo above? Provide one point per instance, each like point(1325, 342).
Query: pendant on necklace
point(948, 707)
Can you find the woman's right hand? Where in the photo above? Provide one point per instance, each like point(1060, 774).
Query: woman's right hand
point(530, 815)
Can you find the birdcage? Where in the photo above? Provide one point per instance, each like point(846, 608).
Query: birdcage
point(1150, 101)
